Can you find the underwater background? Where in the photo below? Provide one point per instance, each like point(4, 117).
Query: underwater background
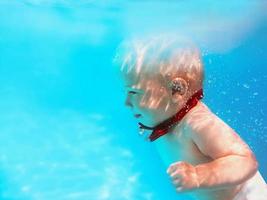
point(64, 130)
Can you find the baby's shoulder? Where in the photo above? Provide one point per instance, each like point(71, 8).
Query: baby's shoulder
point(198, 112)
point(201, 116)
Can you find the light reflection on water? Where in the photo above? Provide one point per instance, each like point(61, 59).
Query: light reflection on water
point(64, 132)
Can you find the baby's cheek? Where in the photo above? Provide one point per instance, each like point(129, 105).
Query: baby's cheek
point(152, 99)
point(150, 103)
point(144, 103)
point(160, 99)
point(145, 99)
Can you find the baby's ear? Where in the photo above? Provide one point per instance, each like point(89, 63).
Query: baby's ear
point(179, 86)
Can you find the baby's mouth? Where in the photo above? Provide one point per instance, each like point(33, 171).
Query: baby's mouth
point(137, 115)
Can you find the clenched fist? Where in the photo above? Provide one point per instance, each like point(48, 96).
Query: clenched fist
point(184, 176)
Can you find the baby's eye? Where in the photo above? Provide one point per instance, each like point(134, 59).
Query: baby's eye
point(132, 92)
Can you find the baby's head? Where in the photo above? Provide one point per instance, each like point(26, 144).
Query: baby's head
point(160, 75)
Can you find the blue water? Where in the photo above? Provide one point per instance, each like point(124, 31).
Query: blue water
point(64, 131)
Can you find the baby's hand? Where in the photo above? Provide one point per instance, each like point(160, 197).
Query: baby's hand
point(184, 176)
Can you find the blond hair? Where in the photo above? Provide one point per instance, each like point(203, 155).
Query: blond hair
point(167, 57)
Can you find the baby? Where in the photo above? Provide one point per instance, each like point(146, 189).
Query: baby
point(205, 157)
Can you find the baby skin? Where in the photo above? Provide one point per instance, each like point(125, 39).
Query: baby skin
point(213, 162)
point(204, 157)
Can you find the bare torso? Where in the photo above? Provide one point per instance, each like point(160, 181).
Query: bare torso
point(178, 146)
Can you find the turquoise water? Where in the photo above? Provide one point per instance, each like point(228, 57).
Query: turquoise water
point(65, 133)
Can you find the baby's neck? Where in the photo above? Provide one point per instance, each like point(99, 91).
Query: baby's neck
point(185, 120)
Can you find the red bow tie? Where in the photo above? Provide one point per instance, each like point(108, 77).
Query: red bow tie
point(163, 128)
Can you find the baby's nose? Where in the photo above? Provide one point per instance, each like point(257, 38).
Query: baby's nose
point(128, 102)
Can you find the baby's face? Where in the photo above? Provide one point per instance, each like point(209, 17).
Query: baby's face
point(149, 100)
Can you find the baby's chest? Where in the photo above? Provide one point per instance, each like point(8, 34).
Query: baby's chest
point(178, 147)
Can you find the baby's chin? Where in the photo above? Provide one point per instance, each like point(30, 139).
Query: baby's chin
point(147, 122)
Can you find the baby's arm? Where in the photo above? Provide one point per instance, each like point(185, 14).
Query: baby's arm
point(233, 161)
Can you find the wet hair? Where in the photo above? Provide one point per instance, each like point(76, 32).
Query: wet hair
point(165, 57)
